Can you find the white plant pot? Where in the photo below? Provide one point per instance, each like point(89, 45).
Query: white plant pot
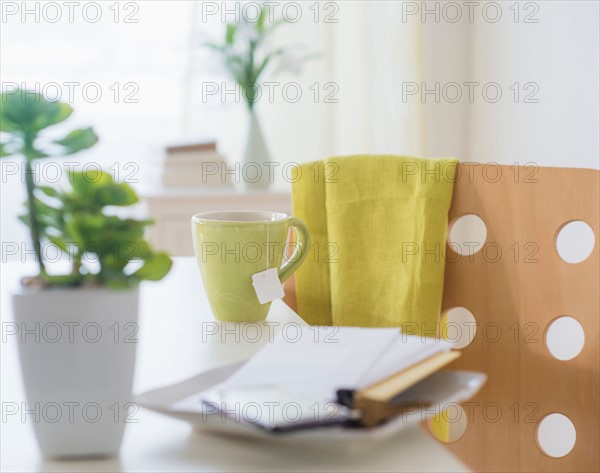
point(77, 351)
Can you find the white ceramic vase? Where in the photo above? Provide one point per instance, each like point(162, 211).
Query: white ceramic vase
point(255, 173)
point(77, 350)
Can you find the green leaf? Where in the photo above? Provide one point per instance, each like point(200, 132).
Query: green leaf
point(92, 225)
point(48, 215)
point(4, 153)
point(259, 70)
point(65, 280)
point(27, 111)
point(7, 125)
point(141, 250)
point(11, 111)
point(59, 242)
point(118, 194)
point(216, 47)
point(24, 218)
point(113, 260)
point(49, 191)
point(78, 140)
point(230, 33)
point(73, 232)
point(117, 283)
point(260, 24)
point(53, 113)
point(86, 184)
point(155, 268)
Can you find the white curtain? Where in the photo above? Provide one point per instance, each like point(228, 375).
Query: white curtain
point(356, 81)
point(374, 53)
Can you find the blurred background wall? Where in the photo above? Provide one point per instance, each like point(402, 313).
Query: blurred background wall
point(416, 78)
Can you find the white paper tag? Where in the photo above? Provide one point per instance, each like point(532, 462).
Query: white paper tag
point(267, 285)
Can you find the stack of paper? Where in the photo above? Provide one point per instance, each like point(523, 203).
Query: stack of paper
point(296, 379)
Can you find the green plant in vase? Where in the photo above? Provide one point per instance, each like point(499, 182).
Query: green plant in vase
point(247, 56)
point(108, 257)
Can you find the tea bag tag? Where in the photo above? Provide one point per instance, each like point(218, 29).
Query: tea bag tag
point(267, 285)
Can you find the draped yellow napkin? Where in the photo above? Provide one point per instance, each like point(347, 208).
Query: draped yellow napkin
point(378, 229)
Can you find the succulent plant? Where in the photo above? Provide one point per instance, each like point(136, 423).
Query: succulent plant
point(103, 248)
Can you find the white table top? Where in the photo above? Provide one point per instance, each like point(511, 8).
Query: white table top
point(175, 318)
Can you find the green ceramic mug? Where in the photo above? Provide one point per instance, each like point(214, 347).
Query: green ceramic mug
point(232, 246)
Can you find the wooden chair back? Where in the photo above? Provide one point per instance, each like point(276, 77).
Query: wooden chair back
point(514, 298)
point(515, 286)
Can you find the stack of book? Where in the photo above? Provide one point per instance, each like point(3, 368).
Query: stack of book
point(196, 164)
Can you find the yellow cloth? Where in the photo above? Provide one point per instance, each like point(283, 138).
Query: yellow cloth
point(378, 229)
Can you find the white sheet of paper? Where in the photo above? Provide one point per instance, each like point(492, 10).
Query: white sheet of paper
point(406, 351)
point(317, 361)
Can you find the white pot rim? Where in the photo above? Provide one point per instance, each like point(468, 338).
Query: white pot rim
point(20, 290)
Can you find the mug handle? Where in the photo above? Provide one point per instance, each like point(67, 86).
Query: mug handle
point(300, 252)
